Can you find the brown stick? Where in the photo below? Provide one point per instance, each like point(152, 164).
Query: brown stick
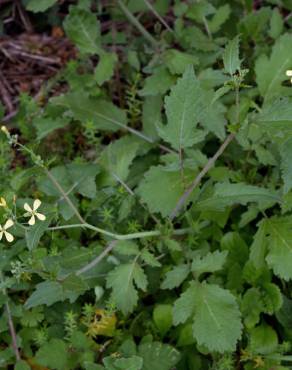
point(39, 58)
point(198, 178)
point(5, 96)
point(12, 332)
point(24, 17)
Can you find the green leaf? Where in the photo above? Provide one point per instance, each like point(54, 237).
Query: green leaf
point(213, 118)
point(175, 277)
point(162, 317)
point(53, 354)
point(34, 233)
point(73, 286)
point(121, 280)
point(259, 246)
point(186, 335)
point(158, 356)
point(286, 164)
point(226, 194)
point(217, 323)
point(254, 25)
point(276, 117)
point(74, 258)
point(272, 298)
point(216, 316)
point(151, 115)
point(104, 114)
point(212, 262)
point(47, 292)
point(184, 306)
point(177, 61)
point(251, 307)
point(82, 27)
point(231, 56)
point(219, 18)
point(263, 340)
point(284, 314)
point(105, 68)
point(270, 72)
point(276, 24)
point(183, 109)
point(127, 248)
point(132, 363)
point(279, 257)
point(158, 83)
point(33, 317)
point(118, 157)
point(46, 125)
point(161, 189)
point(74, 178)
point(22, 365)
point(267, 299)
point(91, 366)
point(37, 6)
point(150, 259)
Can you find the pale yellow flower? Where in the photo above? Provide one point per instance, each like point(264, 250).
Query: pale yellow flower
point(289, 73)
point(32, 212)
point(5, 130)
point(3, 231)
point(3, 202)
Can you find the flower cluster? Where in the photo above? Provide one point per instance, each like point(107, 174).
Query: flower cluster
point(31, 212)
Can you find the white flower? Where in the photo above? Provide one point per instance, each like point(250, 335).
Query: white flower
point(3, 231)
point(32, 213)
point(289, 73)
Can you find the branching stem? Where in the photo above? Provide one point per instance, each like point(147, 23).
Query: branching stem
point(139, 235)
point(200, 176)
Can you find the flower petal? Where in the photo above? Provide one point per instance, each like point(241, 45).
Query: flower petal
point(27, 207)
point(8, 224)
point(9, 236)
point(1, 234)
point(36, 204)
point(3, 202)
point(31, 220)
point(40, 216)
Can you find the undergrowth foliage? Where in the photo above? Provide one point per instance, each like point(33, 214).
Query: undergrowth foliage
point(146, 210)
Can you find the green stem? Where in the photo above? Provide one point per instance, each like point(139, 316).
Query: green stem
point(11, 324)
point(139, 235)
point(157, 15)
point(68, 200)
point(137, 24)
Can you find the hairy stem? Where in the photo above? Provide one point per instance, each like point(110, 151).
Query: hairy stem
point(180, 204)
point(137, 24)
point(12, 332)
point(68, 200)
point(199, 177)
point(99, 258)
point(11, 325)
point(84, 224)
point(135, 132)
point(139, 235)
point(157, 15)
